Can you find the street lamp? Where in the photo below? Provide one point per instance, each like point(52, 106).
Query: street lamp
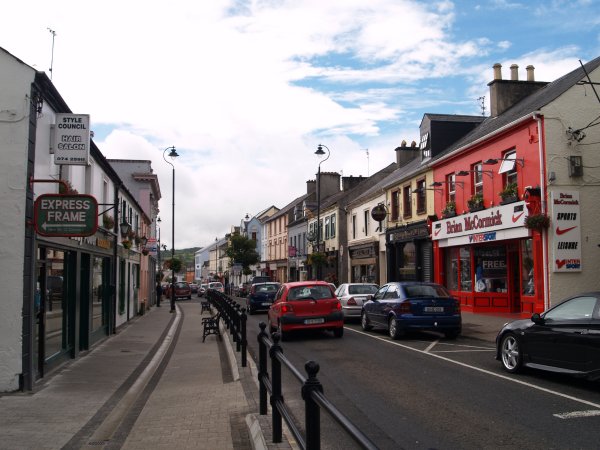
point(172, 154)
point(320, 153)
point(216, 261)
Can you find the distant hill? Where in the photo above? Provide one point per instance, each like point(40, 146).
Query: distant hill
point(185, 254)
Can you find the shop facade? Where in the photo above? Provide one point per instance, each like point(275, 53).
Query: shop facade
point(409, 253)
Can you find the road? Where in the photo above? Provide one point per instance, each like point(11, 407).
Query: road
point(425, 392)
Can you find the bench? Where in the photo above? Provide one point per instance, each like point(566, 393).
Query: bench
point(211, 326)
point(205, 306)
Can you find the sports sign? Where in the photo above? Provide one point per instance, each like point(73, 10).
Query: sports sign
point(66, 215)
point(567, 231)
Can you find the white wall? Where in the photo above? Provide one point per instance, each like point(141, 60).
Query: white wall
point(15, 86)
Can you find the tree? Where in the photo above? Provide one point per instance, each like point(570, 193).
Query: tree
point(173, 264)
point(242, 251)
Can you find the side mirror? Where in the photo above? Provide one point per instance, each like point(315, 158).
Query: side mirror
point(537, 319)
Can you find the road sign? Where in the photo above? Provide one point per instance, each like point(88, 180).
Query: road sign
point(66, 215)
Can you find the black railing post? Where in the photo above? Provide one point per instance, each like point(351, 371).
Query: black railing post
point(276, 387)
point(312, 412)
point(262, 369)
point(244, 340)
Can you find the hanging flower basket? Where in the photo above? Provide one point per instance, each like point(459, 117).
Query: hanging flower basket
point(317, 259)
point(145, 251)
point(126, 244)
point(537, 222)
point(108, 222)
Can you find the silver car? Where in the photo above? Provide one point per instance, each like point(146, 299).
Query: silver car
point(352, 296)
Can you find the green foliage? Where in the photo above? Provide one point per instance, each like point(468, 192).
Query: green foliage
point(174, 264)
point(242, 250)
point(510, 190)
point(317, 259)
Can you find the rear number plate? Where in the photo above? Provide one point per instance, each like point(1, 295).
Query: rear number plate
point(433, 309)
point(266, 304)
point(313, 321)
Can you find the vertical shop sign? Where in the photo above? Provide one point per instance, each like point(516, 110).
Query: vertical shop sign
point(71, 143)
point(567, 231)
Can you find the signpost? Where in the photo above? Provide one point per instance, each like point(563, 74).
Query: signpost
point(66, 215)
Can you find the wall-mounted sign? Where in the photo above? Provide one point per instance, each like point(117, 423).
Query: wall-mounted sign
point(66, 215)
point(567, 231)
point(71, 143)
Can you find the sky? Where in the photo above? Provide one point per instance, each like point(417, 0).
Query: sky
point(247, 90)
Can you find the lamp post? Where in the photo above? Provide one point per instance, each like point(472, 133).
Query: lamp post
point(216, 261)
point(172, 154)
point(320, 154)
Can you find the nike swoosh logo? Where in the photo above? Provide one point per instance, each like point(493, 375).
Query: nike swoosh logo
point(438, 231)
point(517, 217)
point(560, 263)
point(560, 231)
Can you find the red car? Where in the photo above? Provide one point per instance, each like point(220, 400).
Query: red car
point(182, 290)
point(306, 305)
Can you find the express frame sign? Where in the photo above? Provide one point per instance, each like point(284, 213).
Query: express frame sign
point(66, 215)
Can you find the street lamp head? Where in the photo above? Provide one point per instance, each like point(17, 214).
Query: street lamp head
point(158, 220)
point(125, 228)
point(320, 151)
point(173, 153)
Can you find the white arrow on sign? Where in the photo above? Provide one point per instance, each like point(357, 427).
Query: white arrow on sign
point(45, 226)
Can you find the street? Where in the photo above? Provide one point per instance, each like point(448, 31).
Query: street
point(428, 392)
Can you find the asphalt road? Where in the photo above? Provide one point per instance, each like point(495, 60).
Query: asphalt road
point(425, 392)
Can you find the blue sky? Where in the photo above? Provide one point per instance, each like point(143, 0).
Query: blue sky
point(246, 90)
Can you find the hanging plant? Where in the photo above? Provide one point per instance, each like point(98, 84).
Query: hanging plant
point(173, 264)
point(509, 192)
point(449, 210)
point(108, 222)
point(126, 244)
point(475, 202)
point(69, 190)
point(317, 259)
point(145, 251)
point(537, 222)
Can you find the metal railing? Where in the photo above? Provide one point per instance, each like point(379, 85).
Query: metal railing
point(234, 317)
point(312, 394)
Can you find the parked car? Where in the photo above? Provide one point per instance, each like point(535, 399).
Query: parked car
point(261, 297)
point(182, 290)
point(259, 279)
point(564, 339)
point(243, 289)
point(202, 290)
point(217, 286)
point(412, 306)
point(194, 288)
point(352, 296)
point(303, 305)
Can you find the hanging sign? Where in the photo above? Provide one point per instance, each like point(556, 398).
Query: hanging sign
point(71, 143)
point(66, 215)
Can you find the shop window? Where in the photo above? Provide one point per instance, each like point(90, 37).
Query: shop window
point(490, 269)
point(466, 281)
point(408, 269)
point(406, 200)
point(451, 265)
point(97, 294)
point(527, 271)
point(395, 206)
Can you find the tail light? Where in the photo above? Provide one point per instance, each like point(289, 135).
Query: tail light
point(336, 306)
point(457, 307)
point(286, 308)
point(404, 307)
point(351, 301)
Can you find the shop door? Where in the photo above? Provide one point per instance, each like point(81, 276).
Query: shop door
point(514, 279)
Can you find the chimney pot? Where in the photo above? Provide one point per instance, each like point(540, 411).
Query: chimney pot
point(514, 72)
point(413, 144)
point(403, 143)
point(530, 75)
point(497, 71)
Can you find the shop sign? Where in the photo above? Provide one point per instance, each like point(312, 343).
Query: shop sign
point(71, 143)
point(481, 222)
point(567, 231)
point(492, 236)
point(152, 247)
point(66, 215)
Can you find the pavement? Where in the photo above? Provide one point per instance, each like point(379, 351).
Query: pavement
point(156, 385)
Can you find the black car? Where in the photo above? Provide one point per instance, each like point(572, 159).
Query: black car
point(261, 297)
point(564, 339)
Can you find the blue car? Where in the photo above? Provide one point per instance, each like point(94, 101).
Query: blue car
point(260, 297)
point(407, 306)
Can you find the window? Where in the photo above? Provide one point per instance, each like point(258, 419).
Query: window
point(421, 197)
point(366, 222)
point(477, 172)
point(424, 146)
point(332, 226)
point(354, 226)
point(326, 227)
point(509, 167)
point(575, 309)
point(395, 206)
point(451, 188)
point(406, 200)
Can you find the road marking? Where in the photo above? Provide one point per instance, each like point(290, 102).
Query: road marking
point(578, 414)
point(430, 346)
point(487, 372)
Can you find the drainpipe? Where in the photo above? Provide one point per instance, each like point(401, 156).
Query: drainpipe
point(539, 118)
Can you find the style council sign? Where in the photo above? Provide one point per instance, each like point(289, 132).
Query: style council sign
point(71, 143)
point(567, 231)
point(66, 215)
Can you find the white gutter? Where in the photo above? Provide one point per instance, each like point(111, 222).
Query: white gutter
point(538, 117)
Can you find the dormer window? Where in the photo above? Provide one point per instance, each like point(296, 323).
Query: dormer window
point(424, 146)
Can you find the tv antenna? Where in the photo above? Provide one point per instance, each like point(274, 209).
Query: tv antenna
point(367, 150)
point(482, 104)
point(53, 33)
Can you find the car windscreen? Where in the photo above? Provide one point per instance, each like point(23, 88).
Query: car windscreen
point(362, 289)
point(415, 291)
point(309, 293)
point(267, 287)
point(181, 285)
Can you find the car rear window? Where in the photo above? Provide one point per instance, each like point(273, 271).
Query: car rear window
point(267, 287)
point(181, 285)
point(309, 293)
point(425, 291)
point(362, 289)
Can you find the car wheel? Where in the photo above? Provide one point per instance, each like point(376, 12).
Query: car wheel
point(393, 329)
point(511, 353)
point(451, 334)
point(338, 332)
point(364, 322)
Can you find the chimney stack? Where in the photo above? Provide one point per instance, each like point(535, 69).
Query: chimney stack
point(506, 93)
point(406, 154)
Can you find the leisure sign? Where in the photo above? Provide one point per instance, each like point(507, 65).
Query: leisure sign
point(66, 215)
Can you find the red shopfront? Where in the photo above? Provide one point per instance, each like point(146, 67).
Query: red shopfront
point(490, 260)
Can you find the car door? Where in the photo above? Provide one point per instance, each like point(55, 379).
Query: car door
point(562, 338)
point(375, 307)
